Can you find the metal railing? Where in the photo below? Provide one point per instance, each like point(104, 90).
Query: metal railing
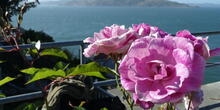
point(39, 94)
point(54, 44)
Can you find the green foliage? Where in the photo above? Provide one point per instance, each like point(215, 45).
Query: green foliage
point(104, 108)
point(6, 80)
point(43, 73)
point(2, 61)
point(31, 35)
point(61, 70)
point(79, 108)
point(61, 65)
point(2, 95)
point(2, 50)
point(54, 52)
point(14, 7)
point(90, 69)
point(30, 70)
point(29, 106)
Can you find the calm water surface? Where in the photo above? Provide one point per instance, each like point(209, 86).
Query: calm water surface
point(77, 23)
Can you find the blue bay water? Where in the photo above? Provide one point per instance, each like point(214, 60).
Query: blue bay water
point(77, 23)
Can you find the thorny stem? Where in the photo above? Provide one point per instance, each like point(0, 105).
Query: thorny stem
point(170, 106)
point(16, 44)
point(190, 100)
point(126, 95)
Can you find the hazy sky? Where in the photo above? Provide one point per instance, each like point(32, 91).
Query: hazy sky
point(198, 1)
point(181, 1)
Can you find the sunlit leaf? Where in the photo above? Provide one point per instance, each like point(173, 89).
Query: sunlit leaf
point(2, 95)
point(34, 51)
point(6, 80)
point(54, 52)
point(46, 73)
point(30, 70)
point(2, 61)
point(2, 50)
point(90, 69)
point(104, 108)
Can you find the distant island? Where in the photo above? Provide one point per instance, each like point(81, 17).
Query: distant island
point(134, 3)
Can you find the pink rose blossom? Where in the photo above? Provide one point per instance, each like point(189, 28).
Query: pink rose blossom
point(147, 30)
point(142, 104)
point(110, 40)
point(200, 44)
point(160, 70)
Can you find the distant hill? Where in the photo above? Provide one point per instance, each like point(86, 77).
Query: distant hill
point(209, 5)
point(143, 3)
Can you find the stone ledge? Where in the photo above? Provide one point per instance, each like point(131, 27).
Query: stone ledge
point(211, 97)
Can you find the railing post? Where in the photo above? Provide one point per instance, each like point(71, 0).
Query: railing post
point(81, 56)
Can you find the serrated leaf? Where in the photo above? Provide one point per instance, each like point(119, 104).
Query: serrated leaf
point(46, 73)
point(6, 80)
point(90, 69)
point(30, 70)
point(54, 52)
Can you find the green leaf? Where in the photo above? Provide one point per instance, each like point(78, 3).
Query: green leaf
point(30, 70)
point(79, 108)
point(2, 50)
point(2, 61)
point(26, 107)
point(104, 108)
point(2, 95)
point(34, 51)
point(30, 106)
point(90, 69)
point(54, 52)
point(46, 73)
point(59, 65)
point(6, 80)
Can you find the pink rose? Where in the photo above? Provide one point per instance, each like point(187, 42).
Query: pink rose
point(200, 44)
point(110, 40)
point(147, 30)
point(143, 104)
point(160, 70)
